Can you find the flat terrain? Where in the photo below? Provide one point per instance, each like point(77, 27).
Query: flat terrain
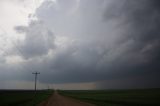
point(22, 97)
point(58, 100)
point(144, 97)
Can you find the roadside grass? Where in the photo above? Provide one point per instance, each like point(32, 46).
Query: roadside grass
point(23, 98)
point(145, 97)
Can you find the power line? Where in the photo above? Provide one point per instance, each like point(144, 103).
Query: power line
point(19, 51)
point(35, 87)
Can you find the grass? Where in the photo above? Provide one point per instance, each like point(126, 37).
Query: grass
point(23, 98)
point(146, 97)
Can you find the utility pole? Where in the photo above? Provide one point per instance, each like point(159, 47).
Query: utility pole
point(36, 73)
point(48, 87)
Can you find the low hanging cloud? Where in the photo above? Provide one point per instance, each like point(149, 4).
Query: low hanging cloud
point(94, 41)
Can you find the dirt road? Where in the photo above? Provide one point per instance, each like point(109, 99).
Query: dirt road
point(58, 100)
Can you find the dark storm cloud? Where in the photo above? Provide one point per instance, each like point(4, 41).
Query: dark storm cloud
point(142, 20)
point(133, 82)
point(112, 40)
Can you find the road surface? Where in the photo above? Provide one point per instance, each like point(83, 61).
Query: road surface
point(59, 100)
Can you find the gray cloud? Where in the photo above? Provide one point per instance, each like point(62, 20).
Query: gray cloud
point(38, 39)
point(108, 40)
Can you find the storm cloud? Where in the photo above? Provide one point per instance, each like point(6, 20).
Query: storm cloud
point(112, 43)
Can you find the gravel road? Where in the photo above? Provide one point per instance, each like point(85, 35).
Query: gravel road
point(59, 100)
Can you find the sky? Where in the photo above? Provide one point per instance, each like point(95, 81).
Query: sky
point(80, 44)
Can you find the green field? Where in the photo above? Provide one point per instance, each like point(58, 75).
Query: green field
point(23, 98)
point(147, 97)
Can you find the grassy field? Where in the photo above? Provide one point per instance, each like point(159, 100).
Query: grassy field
point(23, 97)
point(148, 97)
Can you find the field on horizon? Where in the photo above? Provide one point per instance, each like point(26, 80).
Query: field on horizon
point(23, 97)
point(146, 97)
